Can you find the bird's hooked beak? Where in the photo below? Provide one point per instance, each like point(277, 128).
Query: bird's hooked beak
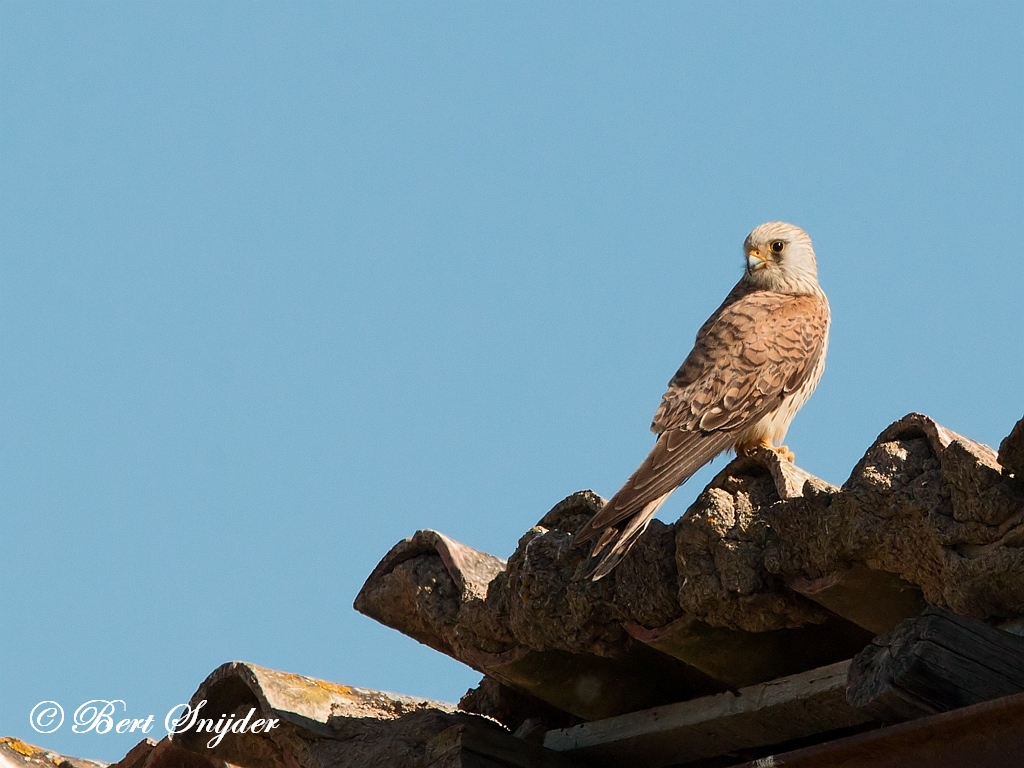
point(755, 261)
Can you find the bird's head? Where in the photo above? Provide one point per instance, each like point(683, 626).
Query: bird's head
point(780, 257)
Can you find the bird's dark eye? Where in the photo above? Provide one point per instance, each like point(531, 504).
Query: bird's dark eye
point(777, 246)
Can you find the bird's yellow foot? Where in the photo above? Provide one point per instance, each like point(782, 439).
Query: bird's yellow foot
point(783, 451)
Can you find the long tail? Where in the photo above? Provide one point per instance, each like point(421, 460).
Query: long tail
point(619, 540)
point(676, 455)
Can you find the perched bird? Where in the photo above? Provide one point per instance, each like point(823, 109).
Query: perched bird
point(756, 361)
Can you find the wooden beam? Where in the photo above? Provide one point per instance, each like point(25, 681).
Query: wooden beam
point(935, 663)
point(789, 708)
point(981, 736)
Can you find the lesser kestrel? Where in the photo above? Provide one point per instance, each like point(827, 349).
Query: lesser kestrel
point(756, 361)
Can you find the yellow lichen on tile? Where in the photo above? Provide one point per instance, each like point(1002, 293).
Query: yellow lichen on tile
point(19, 746)
point(344, 690)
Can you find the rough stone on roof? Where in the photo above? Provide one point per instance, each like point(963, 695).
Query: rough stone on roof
point(1011, 451)
point(770, 571)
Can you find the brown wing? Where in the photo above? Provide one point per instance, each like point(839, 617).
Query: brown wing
point(756, 349)
point(753, 351)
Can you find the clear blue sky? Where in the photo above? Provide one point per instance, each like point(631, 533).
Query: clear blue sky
point(281, 283)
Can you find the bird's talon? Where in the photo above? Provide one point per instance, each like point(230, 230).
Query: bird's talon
point(785, 453)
